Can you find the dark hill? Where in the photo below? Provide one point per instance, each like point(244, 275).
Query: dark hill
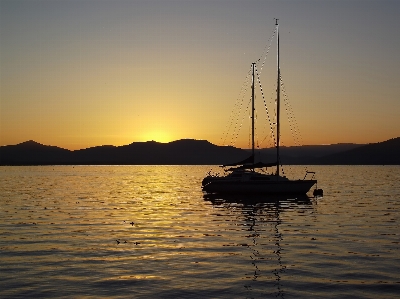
point(33, 153)
point(196, 152)
point(306, 154)
point(180, 152)
point(381, 153)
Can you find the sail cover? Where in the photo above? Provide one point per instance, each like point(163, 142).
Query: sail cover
point(245, 161)
point(252, 166)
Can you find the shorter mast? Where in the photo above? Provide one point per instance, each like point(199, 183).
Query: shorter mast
point(278, 102)
point(252, 112)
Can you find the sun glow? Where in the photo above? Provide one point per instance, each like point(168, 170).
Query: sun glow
point(157, 135)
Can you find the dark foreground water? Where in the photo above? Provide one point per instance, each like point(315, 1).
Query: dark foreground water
point(149, 232)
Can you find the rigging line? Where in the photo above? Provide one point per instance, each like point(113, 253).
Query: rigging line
point(289, 113)
point(291, 116)
point(238, 123)
point(241, 124)
point(265, 106)
point(236, 109)
point(225, 135)
point(257, 131)
point(272, 122)
point(238, 126)
point(297, 137)
point(282, 144)
point(269, 43)
point(249, 134)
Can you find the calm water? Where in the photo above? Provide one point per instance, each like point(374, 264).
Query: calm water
point(60, 225)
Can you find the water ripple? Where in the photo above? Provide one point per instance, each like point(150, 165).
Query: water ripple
point(149, 232)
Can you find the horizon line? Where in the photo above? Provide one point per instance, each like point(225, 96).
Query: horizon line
point(193, 139)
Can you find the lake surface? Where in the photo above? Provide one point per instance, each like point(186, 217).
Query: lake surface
point(149, 232)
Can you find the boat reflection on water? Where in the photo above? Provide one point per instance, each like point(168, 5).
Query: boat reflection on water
point(258, 199)
point(260, 217)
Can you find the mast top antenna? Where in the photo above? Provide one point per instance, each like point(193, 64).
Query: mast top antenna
point(276, 22)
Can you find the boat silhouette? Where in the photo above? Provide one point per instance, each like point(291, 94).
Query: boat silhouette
point(251, 177)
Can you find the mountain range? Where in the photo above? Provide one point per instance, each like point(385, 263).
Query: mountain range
point(199, 152)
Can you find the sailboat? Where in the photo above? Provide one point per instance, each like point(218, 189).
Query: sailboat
point(244, 178)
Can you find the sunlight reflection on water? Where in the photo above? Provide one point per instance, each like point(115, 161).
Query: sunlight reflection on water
point(149, 231)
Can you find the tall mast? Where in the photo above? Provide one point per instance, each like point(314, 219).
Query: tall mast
point(278, 101)
point(252, 111)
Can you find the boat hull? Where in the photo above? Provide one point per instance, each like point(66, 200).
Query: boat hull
point(261, 187)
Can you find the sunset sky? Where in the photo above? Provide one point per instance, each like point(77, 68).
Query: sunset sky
point(77, 74)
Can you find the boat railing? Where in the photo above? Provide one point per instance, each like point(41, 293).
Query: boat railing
point(309, 172)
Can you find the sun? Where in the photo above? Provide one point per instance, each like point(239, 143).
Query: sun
point(157, 135)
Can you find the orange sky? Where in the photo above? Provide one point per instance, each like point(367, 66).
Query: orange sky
point(83, 73)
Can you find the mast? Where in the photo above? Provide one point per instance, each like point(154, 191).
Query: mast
point(278, 101)
point(252, 111)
